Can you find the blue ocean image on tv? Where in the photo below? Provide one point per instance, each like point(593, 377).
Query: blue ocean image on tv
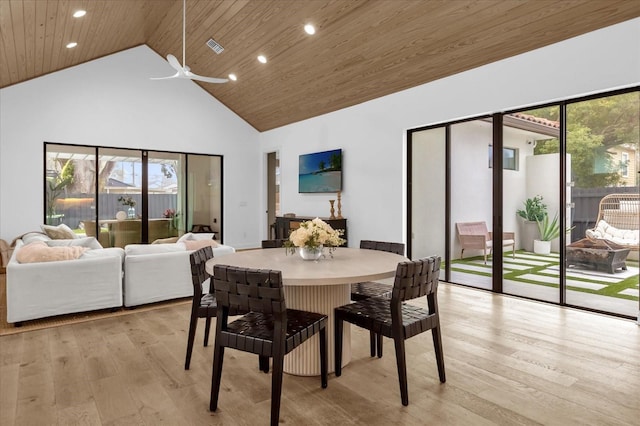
point(320, 172)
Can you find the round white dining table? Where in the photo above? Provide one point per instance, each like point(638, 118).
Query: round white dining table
point(317, 286)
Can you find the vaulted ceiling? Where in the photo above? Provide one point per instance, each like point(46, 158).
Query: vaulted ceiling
point(363, 49)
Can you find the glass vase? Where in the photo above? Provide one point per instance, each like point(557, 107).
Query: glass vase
point(310, 253)
point(131, 212)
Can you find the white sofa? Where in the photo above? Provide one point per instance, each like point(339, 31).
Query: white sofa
point(157, 272)
point(43, 289)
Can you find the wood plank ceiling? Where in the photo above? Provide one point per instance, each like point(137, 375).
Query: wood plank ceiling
point(363, 49)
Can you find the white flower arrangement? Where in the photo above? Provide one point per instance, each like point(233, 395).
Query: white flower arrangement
point(313, 234)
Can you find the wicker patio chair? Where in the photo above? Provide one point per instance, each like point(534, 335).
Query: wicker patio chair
point(618, 220)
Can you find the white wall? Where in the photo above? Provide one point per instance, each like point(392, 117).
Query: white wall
point(112, 102)
point(373, 134)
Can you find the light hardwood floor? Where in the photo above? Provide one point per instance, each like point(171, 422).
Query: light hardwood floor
point(508, 362)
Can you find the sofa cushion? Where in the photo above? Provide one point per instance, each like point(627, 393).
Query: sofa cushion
point(198, 244)
point(34, 236)
point(39, 251)
point(603, 230)
point(190, 236)
point(136, 249)
point(88, 242)
point(60, 232)
point(105, 252)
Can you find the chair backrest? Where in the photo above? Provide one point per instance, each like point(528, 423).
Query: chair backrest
point(397, 248)
point(199, 274)
point(416, 278)
point(273, 243)
point(244, 289)
point(621, 211)
point(472, 228)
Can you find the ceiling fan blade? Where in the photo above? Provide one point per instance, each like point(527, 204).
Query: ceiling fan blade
point(173, 61)
point(176, 75)
point(193, 76)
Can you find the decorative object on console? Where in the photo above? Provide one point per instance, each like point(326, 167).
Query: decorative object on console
point(121, 215)
point(333, 216)
point(311, 236)
point(339, 205)
point(129, 201)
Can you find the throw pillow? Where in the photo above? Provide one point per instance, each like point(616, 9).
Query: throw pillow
point(198, 244)
point(39, 252)
point(60, 232)
point(88, 242)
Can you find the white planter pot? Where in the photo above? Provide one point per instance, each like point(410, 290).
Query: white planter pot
point(541, 247)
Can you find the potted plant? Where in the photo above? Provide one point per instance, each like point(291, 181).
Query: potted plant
point(548, 231)
point(534, 210)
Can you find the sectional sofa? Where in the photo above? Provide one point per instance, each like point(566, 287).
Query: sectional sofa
point(95, 277)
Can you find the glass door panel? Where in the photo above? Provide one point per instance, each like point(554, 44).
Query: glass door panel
point(205, 193)
point(70, 187)
point(428, 200)
point(166, 199)
point(120, 195)
point(603, 147)
point(471, 202)
point(531, 192)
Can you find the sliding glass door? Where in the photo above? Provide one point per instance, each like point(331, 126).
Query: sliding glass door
point(128, 196)
point(561, 183)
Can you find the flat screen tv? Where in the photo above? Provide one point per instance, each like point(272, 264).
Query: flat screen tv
point(320, 172)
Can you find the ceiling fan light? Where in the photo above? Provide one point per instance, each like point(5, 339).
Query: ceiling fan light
point(71, 45)
point(262, 59)
point(79, 13)
point(309, 29)
point(233, 77)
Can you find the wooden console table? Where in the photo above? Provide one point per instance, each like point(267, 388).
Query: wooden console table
point(284, 225)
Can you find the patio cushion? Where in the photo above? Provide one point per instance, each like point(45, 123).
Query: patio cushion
point(604, 231)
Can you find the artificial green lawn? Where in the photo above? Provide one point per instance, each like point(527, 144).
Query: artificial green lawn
point(609, 289)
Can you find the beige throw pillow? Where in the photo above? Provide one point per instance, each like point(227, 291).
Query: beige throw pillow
point(60, 232)
point(198, 244)
point(40, 252)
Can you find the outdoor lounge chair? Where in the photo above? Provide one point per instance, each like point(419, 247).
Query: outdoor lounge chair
point(618, 220)
point(475, 235)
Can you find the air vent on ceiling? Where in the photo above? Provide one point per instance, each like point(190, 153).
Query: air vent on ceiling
point(215, 46)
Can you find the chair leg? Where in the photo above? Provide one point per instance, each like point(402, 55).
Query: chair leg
point(207, 328)
point(513, 250)
point(276, 386)
point(372, 343)
point(193, 324)
point(379, 342)
point(402, 369)
point(263, 362)
point(323, 356)
point(437, 346)
point(338, 324)
point(485, 256)
point(216, 375)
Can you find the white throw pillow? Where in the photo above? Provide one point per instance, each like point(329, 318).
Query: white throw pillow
point(60, 232)
point(190, 236)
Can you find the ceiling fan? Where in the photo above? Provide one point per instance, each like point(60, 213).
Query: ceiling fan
point(183, 71)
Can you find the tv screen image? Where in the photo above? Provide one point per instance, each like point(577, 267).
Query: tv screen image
point(320, 172)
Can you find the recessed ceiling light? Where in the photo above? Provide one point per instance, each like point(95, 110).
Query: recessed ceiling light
point(310, 29)
point(79, 13)
point(233, 77)
point(262, 59)
point(72, 45)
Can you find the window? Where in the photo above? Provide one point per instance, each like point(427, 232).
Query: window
point(509, 158)
point(124, 196)
point(624, 165)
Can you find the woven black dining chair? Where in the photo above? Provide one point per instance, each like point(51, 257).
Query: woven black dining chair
point(276, 243)
point(364, 290)
point(398, 320)
point(204, 304)
point(269, 330)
